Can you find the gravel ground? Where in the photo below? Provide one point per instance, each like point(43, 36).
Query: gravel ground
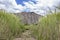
point(26, 36)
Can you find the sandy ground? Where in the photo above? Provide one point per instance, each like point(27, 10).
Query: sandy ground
point(26, 36)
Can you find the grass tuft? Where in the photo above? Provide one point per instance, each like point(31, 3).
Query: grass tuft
point(10, 26)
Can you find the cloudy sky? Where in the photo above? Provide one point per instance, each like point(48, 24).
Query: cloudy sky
point(27, 5)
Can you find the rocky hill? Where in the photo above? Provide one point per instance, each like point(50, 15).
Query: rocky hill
point(28, 17)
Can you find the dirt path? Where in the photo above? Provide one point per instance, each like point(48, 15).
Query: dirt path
point(26, 36)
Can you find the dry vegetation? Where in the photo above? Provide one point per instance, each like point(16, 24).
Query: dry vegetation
point(48, 27)
point(10, 26)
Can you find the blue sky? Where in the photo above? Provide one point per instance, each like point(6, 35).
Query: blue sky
point(21, 1)
point(37, 6)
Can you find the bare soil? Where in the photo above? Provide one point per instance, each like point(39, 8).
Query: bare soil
point(26, 36)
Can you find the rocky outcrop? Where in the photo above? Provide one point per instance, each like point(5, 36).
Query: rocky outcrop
point(28, 17)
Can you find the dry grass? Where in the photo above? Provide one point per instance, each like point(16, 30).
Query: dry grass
point(48, 28)
point(10, 26)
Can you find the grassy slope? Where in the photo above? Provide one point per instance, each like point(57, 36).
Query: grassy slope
point(48, 28)
point(10, 26)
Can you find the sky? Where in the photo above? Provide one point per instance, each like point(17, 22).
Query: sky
point(37, 6)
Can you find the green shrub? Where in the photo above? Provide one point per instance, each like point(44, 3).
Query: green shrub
point(10, 26)
point(48, 28)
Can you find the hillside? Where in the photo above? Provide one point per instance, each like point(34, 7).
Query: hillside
point(29, 17)
point(12, 28)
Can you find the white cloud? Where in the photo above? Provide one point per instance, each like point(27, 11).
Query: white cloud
point(11, 5)
point(40, 4)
